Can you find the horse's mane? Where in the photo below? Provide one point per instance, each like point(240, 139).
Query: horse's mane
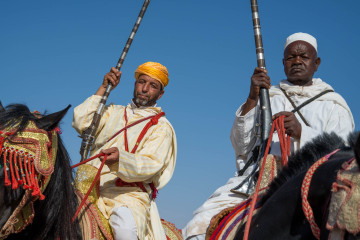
point(53, 215)
point(16, 115)
point(304, 158)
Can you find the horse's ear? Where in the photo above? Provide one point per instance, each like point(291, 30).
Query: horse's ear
point(2, 109)
point(51, 121)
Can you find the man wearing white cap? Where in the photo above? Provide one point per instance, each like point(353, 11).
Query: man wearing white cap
point(326, 112)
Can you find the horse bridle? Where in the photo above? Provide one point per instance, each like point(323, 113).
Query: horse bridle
point(28, 159)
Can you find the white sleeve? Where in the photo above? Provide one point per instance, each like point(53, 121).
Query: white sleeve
point(84, 114)
point(244, 130)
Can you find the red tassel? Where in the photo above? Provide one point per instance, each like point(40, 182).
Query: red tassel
point(15, 184)
point(25, 186)
point(31, 172)
point(37, 191)
point(7, 181)
point(2, 139)
point(154, 191)
point(20, 182)
point(26, 170)
point(141, 185)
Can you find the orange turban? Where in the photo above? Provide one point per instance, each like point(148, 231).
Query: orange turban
point(153, 70)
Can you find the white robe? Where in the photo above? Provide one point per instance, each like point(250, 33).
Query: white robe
point(328, 113)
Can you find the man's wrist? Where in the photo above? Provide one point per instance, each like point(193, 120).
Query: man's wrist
point(100, 91)
point(249, 104)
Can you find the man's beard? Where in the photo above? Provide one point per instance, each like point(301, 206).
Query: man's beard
point(144, 102)
point(140, 102)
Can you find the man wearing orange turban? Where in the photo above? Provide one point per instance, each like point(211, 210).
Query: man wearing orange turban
point(141, 144)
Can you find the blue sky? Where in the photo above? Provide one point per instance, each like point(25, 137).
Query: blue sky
point(55, 53)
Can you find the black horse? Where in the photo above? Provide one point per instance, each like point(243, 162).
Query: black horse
point(281, 215)
point(53, 215)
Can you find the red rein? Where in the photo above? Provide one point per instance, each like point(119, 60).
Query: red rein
point(93, 183)
point(285, 144)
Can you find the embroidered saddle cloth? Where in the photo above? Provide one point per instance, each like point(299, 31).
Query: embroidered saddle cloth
point(345, 200)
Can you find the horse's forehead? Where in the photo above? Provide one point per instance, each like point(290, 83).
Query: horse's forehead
point(31, 131)
point(35, 142)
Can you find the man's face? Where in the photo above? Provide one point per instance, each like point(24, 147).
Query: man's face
point(300, 63)
point(147, 91)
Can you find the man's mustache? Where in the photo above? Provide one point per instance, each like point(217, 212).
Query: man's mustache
point(297, 67)
point(143, 94)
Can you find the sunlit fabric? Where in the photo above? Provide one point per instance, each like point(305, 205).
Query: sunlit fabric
point(329, 113)
point(153, 161)
point(154, 70)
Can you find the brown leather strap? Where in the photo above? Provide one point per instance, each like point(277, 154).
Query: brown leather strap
point(294, 106)
point(310, 100)
point(297, 108)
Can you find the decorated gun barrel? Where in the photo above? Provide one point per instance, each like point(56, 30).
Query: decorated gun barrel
point(265, 109)
point(246, 187)
point(88, 135)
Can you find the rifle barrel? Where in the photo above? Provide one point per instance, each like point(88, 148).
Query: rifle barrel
point(88, 135)
point(265, 109)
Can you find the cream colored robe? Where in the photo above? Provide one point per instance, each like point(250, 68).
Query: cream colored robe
point(153, 161)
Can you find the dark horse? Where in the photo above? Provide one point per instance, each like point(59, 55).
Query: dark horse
point(53, 214)
point(281, 215)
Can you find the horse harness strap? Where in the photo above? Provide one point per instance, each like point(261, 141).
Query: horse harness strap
point(297, 108)
point(305, 187)
point(153, 121)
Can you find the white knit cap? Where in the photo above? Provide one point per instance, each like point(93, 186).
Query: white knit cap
point(301, 37)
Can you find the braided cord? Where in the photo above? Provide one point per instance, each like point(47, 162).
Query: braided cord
point(308, 212)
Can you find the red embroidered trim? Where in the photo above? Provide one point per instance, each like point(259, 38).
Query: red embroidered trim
point(153, 121)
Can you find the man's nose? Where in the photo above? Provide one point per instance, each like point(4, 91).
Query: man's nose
point(146, 87)
point(297, 60)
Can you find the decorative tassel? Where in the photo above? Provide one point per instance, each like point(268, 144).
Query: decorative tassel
point(15, 184)
point(32, 186)
point(25, 186)
point(36, 191)
point(41, 196)
point(7, 180)
point(26, 170)
point(2, 139)
point(58, 131)
point(154, 191)
point(20, 182)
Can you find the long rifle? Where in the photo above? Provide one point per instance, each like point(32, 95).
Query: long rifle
point(265, 108)
point(88, 135)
